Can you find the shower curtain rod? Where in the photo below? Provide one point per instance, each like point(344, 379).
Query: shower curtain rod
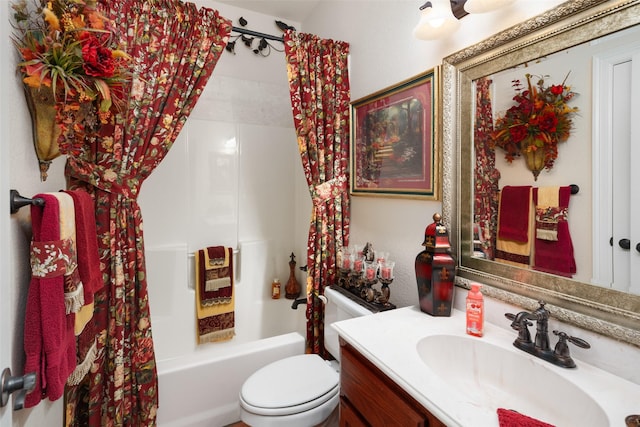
point(257, 34)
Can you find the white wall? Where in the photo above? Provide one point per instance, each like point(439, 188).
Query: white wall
point(383, 53)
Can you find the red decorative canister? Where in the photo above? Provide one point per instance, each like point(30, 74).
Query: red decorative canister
point(435, 270)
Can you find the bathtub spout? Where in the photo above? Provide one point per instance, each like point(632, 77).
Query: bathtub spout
point(298, 302)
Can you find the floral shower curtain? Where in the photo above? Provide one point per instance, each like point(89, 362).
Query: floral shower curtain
point(486, 174)
point(174, 49)
point(320, 95)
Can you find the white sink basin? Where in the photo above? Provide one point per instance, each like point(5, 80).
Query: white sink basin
point(463, 380)
point(500, 377)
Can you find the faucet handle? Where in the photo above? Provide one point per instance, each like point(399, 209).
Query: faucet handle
point(561, 351)
point(512, 317)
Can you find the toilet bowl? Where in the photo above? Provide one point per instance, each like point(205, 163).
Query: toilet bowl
point(302, 390)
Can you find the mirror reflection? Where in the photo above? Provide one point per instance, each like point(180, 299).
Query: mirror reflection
point(592, 48)
point(525, 214)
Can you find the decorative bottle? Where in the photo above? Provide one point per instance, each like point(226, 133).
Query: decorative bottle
point(435, 270)
point(292, 289)
point(475, 311)
point(275, 289)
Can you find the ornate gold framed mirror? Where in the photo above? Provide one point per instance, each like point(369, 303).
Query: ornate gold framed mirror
point(577, 22)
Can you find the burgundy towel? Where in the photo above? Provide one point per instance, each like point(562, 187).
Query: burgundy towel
point(556, 256)
point(510, 418)
point(87, 244)
point(48, 334)
point(215, 264)
point(514, 213)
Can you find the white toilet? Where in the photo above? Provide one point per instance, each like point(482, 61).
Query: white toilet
point(303, 390)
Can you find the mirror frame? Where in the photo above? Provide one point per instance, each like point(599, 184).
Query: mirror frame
point(605, 311)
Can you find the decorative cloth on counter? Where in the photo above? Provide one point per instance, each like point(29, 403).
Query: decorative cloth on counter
point(86, 241)
point(553, 252)
point(49, 343)
point(215, 300)
point(511, 418)
point(515, 225)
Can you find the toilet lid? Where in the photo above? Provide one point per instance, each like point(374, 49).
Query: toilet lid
point(290, 382)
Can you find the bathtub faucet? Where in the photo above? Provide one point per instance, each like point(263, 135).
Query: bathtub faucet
point(297, 302)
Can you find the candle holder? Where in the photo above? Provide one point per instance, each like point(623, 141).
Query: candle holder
point(370, 278)
point(385, 277)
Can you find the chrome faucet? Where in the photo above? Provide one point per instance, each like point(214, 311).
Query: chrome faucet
point(540, 347)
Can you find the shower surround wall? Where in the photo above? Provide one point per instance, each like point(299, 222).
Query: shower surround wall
point(233, 178)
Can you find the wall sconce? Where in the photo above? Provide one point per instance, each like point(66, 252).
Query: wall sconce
point(436, 20)
point(440, 18)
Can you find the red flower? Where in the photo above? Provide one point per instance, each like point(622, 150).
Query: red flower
point(548, 121)
point(557, 89)
point(518, 133)
point(98, 61)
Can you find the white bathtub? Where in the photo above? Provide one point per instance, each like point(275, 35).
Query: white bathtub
point(201, 389)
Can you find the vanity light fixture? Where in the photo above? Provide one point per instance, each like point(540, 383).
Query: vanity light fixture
point(440, 18)
point(436, 20)
point(482, 6)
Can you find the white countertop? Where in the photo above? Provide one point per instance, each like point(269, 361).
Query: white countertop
point(389, 340)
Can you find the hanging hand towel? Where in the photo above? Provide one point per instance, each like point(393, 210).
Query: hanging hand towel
point(87, 254)
point(511, 418)
point(215, 303)
point(48, 335)
point(515, 223)
point(554, 253)
point(89, 271)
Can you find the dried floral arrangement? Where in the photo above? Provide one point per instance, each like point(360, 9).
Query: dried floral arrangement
point(539, 120)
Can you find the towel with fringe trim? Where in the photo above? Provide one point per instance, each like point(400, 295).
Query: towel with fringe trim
point(88, 259)
point(554, 255)
point(215, 303)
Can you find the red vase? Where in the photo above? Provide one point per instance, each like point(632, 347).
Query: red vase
point(435, 271)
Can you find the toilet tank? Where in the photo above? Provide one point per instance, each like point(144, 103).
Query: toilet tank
point(338, 307)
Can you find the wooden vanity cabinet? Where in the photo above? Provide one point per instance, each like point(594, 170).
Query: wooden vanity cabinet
point(369, 398)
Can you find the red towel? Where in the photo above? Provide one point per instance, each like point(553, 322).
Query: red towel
point(514, 213)
point(87, 244)
point(510, 418)
point(48, 334)
point(556, 256)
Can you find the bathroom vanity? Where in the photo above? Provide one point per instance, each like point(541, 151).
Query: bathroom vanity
point(369, 397)
point(404, 367)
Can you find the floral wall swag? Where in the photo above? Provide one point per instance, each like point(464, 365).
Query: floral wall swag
point(72, 68)
point(539, 120)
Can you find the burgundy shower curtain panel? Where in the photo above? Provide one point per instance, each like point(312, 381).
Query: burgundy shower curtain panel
point(320, 96)
point(174, 49)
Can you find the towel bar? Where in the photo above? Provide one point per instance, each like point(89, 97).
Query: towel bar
point(16, 201)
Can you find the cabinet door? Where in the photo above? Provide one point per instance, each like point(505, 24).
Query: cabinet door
point(374, 396)
point(349, 417)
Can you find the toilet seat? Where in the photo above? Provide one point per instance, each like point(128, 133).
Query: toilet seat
point(290, 386)
point(299, 390)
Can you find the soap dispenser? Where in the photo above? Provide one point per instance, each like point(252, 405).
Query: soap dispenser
point(435, 270)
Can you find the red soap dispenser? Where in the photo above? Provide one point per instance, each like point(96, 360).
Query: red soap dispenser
point(435, 270)
point(475, 311)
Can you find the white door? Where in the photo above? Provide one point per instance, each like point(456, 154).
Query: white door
point(6, 311)
point(616, 237)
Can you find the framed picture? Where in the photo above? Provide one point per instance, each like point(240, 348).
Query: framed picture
point(394, 150)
